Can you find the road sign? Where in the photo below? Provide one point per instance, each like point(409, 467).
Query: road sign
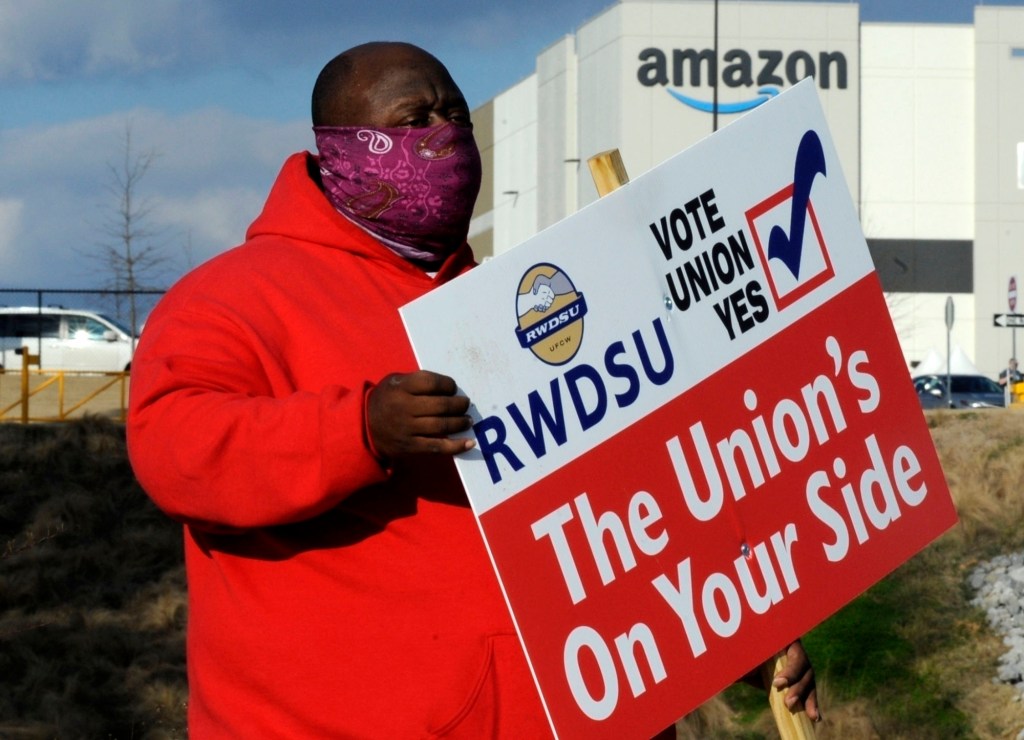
point(1008, 320)
point(1011, 294)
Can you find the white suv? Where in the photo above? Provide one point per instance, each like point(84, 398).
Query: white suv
point(72, 339)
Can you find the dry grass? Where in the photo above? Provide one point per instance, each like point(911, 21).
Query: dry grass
point(949, 654)
point(92, 609)
point(92, 603)
point(983, 458)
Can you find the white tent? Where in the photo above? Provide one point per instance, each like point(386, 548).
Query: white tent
point(935, 364)
point(932, 364)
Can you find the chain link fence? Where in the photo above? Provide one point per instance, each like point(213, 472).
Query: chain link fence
point(114, 303)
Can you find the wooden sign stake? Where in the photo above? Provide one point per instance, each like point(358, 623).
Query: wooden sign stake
point(609, 174)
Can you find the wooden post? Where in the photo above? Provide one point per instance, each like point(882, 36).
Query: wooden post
point(792, 726)
point(609, 173)
point(27, 358)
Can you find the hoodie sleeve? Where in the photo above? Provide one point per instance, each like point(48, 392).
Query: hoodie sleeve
point(217, 447)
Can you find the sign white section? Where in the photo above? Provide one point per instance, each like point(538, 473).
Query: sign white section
point(587, 327)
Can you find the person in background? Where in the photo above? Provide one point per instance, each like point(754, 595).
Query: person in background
point(1010, 373)
point(338, 584)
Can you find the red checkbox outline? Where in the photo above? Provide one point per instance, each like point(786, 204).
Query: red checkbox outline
point(804, 286)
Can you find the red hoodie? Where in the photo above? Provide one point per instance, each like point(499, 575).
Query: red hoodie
point(328, 597)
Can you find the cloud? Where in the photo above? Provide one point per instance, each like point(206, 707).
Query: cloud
point(207, 221)
point(64, 40)
point(56, 39)
point(63, 64)
point(206, 182)
point(10, 225)
point(60, 40)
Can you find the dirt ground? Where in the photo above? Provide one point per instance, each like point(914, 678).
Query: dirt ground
point(56, 396)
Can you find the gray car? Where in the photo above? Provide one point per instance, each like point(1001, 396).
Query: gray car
point(969, 392)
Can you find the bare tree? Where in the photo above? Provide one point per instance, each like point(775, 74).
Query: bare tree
point(130, 256)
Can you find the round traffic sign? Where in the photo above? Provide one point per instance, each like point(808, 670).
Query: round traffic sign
point(1011, 294)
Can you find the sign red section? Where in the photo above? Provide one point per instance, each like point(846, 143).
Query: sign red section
point(684, 551)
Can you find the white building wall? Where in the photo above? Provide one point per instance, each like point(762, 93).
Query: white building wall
point(917, 160)
point(515, 165)
point(602, 96)
point(559, 164)
point(999, 226)
point(917, 131)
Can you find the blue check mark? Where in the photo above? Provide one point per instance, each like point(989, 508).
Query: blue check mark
point(810, 161)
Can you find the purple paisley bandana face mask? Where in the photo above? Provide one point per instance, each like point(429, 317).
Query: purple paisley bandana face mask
point(413, 187)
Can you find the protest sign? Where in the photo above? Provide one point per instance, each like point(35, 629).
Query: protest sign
point(696, 433)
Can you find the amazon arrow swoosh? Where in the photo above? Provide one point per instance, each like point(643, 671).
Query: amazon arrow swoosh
point(765, 93)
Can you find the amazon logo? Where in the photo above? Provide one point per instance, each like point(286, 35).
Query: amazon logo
point(768, 71)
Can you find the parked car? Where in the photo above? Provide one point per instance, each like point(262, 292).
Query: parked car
point(64, 339)
point(969, 391)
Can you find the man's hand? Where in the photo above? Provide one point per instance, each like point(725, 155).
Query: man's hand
point(416, 413)
point(799, 677)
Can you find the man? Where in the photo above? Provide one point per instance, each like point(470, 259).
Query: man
point(338, 585)
point(1011, 373)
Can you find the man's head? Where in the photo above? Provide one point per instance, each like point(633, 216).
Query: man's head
point(1013, 363)
point(387, 84)
point(396, 148)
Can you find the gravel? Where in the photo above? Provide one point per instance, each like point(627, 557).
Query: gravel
point(999, 587)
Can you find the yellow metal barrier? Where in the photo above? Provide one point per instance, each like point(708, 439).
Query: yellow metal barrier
point(1017, 395)
point(60, 394)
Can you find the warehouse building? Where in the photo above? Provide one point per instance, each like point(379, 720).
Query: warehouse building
point(928, 121)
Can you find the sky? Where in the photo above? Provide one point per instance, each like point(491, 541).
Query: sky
point(215, 94)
